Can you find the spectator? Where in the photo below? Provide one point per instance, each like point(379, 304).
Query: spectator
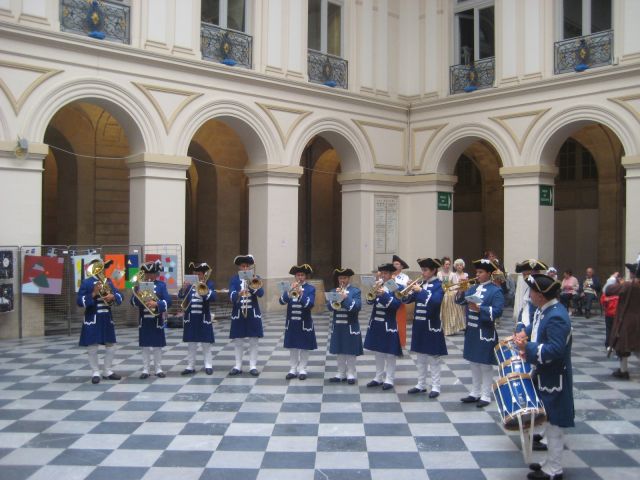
point(569, 289)
point(589, 291)
point(610, 306)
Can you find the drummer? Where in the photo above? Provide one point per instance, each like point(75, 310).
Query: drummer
point(546, 344)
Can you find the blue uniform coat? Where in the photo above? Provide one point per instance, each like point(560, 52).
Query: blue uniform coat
point(97, 327)
point(550, 352)
point(197, 326)
point(427, 335)
point(299, 330)
point(242, 327)
point(382, 335)
point(480, 336)
point(151, 327)
point(345, 333)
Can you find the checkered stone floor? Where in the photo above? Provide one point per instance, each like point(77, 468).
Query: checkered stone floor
point(54, 424)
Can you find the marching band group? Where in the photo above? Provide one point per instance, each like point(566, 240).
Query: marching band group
point(542, 338)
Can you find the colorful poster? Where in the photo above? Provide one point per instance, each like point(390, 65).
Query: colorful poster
point(152, 257)
point(6, 264)
point(116, 271)
point(133, 266)
point(42, 275)
point(6, 297)
point(80, 262)
point(169, 274)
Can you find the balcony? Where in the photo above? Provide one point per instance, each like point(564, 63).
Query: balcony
point(103, 20)
point(225, 46)
point(472, 77)
point(580, 53)
point(327, 69)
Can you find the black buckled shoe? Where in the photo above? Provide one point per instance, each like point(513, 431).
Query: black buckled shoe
point(208, 371)
point(290, 375)
point(161, 374)
point(535, 467)
point(302, 376)
point(482, 403)
point(416, 390)
point(113, 376)
point(335, 380)
point(187, 371)
point(254, 372)
point(620, 374)
point(387, 386)
point(434, 394)
point(469, 399)
point(95, 379)
point(234, 371)
point(144, 376)
point(538, 446)
point(351, 381)
point(374, 383)
point(540, 475)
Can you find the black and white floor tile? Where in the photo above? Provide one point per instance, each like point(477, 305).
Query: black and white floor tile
point(54, 424)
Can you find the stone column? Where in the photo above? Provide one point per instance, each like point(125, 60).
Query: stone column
point(273, 224)
point(632, 221)
point(528, 226)
point(21, 200)
point(157, 198)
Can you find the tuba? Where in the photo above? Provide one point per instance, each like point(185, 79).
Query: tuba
point(143, 297)
point(96, 270)
point(400, 294)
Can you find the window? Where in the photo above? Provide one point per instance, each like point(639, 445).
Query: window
point(475, 31)
point(227, 14)
point(325, 27)
point(584, 17)
point(576, 163)
point(467, 173)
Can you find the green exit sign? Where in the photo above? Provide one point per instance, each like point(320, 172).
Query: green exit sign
point(546, 195)
point(445, 200)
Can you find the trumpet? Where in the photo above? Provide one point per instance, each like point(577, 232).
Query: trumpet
point(146, 296)
point(400, 294)
point(294, 292)
point(201, 288)
point(337, 305)
point(461, 286)
point(373, 292)
point(97, 270)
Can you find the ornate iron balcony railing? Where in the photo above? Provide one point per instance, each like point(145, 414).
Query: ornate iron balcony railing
point(225, 46)
point(104, 19)
point(468, 78)
point(327, 69)
point(579, 53)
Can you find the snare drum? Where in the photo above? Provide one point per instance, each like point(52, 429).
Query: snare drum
point(514, 365)
point(516, 397)
point(505, 350)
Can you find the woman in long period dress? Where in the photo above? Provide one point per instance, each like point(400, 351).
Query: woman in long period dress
point(452, 314)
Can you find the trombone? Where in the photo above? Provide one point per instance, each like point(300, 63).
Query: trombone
point(201, 289)
point(373, 292)
point(461, 286)
point(400, 294)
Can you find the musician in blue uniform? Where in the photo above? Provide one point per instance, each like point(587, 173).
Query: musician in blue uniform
point(382, 336)
point(523, 308)
point(546, 344)
point(427, 336)
point(246, 318)
point(151, 319)
point(197, 326)
point(98, 328)
point(484, 302)
point(299, 335)
point(346, 340)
